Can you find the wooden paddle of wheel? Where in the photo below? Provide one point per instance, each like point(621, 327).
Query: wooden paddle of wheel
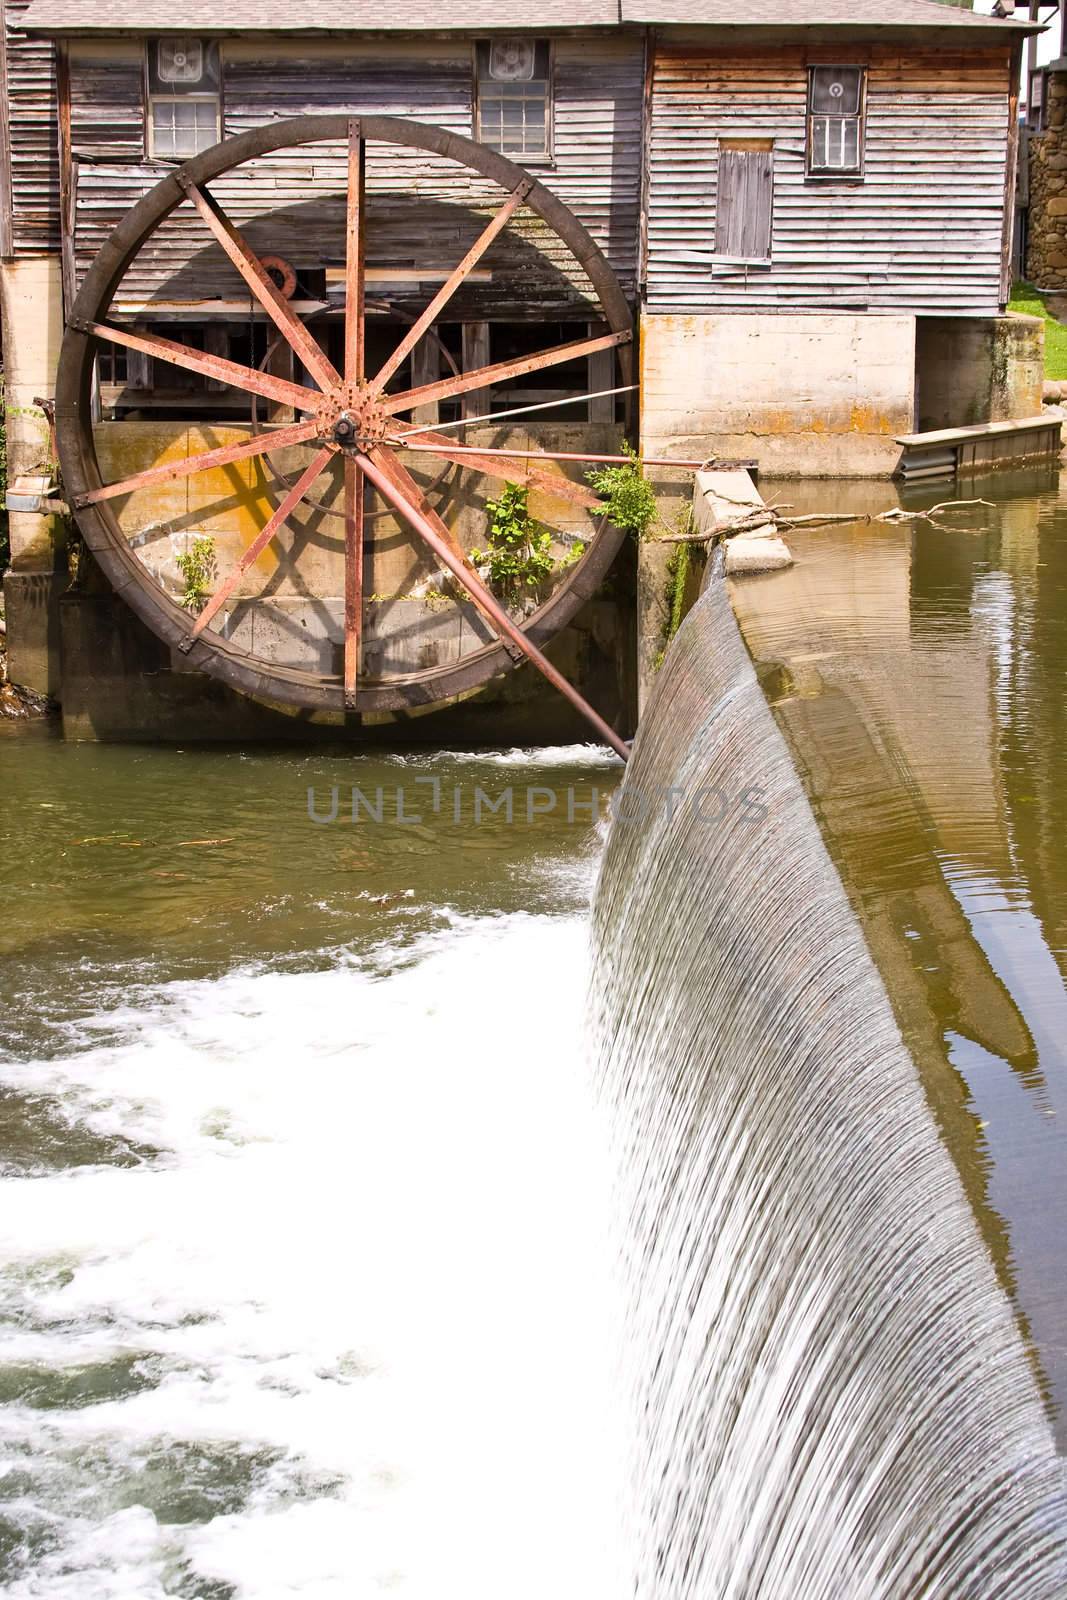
point(350, 417)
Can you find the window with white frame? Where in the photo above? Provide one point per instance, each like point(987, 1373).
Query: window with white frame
point(514, 97)
point(835, 121)
point(184, 103)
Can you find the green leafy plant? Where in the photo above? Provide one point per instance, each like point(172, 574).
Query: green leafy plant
point(675, 588)
point(630, 502)
point(518, 553)
point(198, 567)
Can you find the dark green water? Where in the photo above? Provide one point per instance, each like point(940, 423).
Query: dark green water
point(920, 677)
point(297, 1175)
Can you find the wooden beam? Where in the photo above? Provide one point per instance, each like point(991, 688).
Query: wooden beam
point(503, 371)
point(356, 257)
point(67, 180)
point(475, 356)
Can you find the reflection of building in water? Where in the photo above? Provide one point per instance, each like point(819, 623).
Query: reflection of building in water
point(914, 672)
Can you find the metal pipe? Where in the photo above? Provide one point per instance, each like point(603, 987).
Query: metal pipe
point(518, 411)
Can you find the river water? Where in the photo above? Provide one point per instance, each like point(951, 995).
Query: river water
point(303, 1288)
point(919, 675)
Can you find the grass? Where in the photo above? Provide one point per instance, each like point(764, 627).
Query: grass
point(1025, 298)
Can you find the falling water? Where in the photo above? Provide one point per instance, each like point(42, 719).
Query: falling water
point(829, 1393)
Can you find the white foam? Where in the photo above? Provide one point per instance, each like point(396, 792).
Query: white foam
point(372, 1248)
point(553, 755)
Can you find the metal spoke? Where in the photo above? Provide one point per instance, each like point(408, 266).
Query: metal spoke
point(263, 538)
point(298, 433)
point(208, 366)
point(503, 370)
point(263, 287)
point(512, 635)
point(409, 487)
point(353, 575)
point(425, 321)
point(355, 257)
point(510, 465)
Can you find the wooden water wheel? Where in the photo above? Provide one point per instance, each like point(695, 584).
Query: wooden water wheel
point(349, 421)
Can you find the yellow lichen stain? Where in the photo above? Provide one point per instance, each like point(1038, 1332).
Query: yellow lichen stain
point(865, 420)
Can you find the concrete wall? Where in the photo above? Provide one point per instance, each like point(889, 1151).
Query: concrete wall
point(31, 305)
point(120, 683)
point(978, 369)
point(803, 395)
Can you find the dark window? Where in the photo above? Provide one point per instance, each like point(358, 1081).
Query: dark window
point(835, 121)
point(514, 98)
point(184, 105)
point(744, 199)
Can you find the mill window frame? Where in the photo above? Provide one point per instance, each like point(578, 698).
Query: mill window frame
point(824, 126)
point(491, 93)
point(163, 98)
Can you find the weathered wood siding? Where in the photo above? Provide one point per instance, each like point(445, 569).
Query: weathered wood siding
point(32, 137)
point(921, 232)
point(422, 211)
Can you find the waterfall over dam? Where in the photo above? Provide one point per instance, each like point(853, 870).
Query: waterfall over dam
point(830, 1397)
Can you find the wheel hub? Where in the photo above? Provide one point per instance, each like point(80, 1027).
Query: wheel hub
point(355, 419)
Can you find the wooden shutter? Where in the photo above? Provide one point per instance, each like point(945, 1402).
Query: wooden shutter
point(744, 203)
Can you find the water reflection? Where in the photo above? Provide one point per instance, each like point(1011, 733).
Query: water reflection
point(919, 676)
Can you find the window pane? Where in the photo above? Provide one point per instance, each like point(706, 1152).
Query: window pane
point(182, 127)
point(835, 144)
point(835, 91)
point(513, 117)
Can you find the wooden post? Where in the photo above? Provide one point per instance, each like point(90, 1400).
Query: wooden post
point(283, 365)
point(426, 368)
point(1011, 164)
point(475, 355)
point(217, 343)
point(67, 181)
point(601, 376)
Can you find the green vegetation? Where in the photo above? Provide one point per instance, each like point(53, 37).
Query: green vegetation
point(518, 554)
point(631, 503)
point(197, 566)
point(675, 588)
point(1025, 298)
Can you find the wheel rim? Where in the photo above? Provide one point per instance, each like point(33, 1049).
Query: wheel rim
point(348, 414)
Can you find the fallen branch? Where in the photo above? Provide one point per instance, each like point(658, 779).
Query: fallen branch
point(771, 517)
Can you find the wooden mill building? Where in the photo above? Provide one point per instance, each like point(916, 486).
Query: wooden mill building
point(804, 208)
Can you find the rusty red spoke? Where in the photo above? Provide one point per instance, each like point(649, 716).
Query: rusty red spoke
point(408, 486)
point(298, 433)
point(263, 538)
point(426, 319)
point(355, 257)
point(353, 575)
point(514, 638)
point(208, 366)
point(502, 464)
point(502, 371)
point(263, 287)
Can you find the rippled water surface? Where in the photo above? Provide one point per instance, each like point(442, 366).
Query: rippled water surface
point(920, 676)
point(301, 1267)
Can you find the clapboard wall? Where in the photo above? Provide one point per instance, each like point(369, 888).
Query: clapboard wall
point(28, 140)
point(921, 232)
point(421, 211)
